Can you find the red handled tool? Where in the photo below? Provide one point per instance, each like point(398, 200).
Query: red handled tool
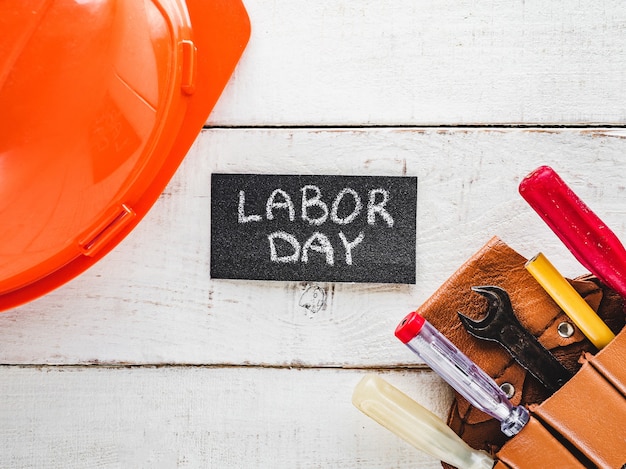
point(595, 246)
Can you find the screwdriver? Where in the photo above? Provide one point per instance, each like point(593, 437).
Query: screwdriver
point(415, 424)
point(568, 299)
point(588, 238)
point(460, 372)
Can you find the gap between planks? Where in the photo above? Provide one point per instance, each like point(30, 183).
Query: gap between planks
point(211, 366)
point(503, 126)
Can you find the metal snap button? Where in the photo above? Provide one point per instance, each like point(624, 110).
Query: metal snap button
point(508, 389)
point(565, 330)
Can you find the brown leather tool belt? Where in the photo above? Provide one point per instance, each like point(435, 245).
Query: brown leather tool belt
point(582, 424)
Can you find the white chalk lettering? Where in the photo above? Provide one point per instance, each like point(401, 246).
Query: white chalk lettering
point(286, 203)
point(316, 201)
point(350, 245)
point(291, 239)
point(288, 250)
point(323, 246)
point(358, 205)
point(374, 208)
point(242, 217)
point(347, 206)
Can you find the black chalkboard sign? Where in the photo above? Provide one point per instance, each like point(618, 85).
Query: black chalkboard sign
point(316, 228)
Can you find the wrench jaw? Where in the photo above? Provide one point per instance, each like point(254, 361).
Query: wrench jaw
point(490, 325)
point(497, 297)
point(474, 327)
point(501, 325)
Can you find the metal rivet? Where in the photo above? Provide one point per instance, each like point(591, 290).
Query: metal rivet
point(508, 389)
point(566, 330)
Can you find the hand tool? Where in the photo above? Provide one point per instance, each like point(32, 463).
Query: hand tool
point(460, 372)
point(415, 424)
point(589, 239)
point(570, 301)
point(502, 326)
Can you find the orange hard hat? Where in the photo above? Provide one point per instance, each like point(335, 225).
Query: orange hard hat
point(100, 100)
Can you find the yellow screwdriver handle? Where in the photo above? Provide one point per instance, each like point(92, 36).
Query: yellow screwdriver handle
point(415, 424)
point(570, 301)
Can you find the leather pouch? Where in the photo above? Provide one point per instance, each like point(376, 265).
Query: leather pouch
point(589, 411)
point(498, 264)
point(536, 447)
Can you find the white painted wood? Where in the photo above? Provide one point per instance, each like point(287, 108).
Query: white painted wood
point(429, 62)
point(201, 417)
point(151, 301)
point(274, 382)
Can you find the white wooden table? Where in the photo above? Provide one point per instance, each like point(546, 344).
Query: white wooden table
point(146, 362)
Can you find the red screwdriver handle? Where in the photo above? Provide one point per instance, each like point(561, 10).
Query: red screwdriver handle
point(595, 246)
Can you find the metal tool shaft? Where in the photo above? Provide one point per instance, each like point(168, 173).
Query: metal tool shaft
point(502, 326)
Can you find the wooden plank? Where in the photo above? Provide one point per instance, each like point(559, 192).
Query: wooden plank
point(152, 301)
point(81, 417)
point(428, 62)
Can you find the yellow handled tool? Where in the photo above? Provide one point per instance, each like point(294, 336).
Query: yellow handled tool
point(570, 301)
point(415, 424)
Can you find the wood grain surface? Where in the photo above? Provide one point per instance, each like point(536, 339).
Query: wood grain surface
point(145, 361)
point(200, 417)
point(430, 62)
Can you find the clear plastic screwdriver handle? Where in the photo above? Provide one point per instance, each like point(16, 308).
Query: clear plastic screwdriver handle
point(460, 372)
